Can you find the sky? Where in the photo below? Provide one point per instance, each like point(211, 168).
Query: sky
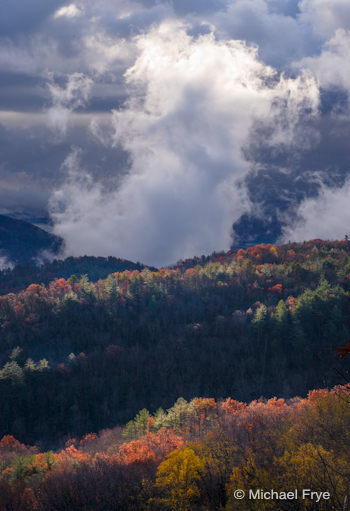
point(158, 130)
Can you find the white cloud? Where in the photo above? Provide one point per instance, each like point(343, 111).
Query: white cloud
point(68, 11)
point(332, 66)
point(192, 104)
point(326, 217)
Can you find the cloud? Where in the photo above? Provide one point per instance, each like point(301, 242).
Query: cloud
point(192, 103)
point(332, 65)
point(267, 142)
point(5, 263)
point(281, 37)
point(285, 7)
point(183, 7)
point(73, 95)
point(68, 11)
point(326, 216)
point(18, 18)
point(29, 198)
point(324, 17)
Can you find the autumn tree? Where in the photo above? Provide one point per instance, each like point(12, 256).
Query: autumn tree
point(178, 480)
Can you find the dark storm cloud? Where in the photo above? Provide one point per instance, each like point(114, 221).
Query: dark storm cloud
point(285, 7)
point(28, 175)
point(21, 92)
point(29, 201)
point(18, 17)
point(183, 7)
point(281, 179)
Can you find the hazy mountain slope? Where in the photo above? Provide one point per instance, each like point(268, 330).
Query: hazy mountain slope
point(22, 242)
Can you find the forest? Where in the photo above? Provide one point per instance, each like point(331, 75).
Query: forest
point(192, 457)
point(236, 340)
point(95, 268)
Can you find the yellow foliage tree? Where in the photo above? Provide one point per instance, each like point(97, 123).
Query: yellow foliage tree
point(177, 480)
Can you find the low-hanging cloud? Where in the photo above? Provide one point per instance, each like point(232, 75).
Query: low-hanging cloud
point(5, 263)
point(326, 216)
point(191, 107)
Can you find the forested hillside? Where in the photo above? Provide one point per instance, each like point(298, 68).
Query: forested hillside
point(195, 456)
point(21, 276)
point(78, 356)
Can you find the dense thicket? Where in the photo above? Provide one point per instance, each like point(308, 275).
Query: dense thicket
point(78, 356)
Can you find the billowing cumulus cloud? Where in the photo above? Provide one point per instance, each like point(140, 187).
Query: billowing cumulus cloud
point(191, 107)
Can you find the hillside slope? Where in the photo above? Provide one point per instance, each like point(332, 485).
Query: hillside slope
point(193, 457)
point(21, 276)
point(22, 242)
point(79, 356)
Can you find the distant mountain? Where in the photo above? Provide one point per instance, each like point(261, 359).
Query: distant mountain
point(22, 242)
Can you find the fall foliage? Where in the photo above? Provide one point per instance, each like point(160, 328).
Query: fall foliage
point(245, 323)
point(271, 443)
point(91, 370)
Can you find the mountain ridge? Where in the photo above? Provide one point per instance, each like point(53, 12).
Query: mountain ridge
point(22, 242)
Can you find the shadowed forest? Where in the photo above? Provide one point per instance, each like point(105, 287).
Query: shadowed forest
point(81, 357)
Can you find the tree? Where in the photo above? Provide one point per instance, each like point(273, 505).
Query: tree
point(13, 372)
point(178, 480)
point(139, 426)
